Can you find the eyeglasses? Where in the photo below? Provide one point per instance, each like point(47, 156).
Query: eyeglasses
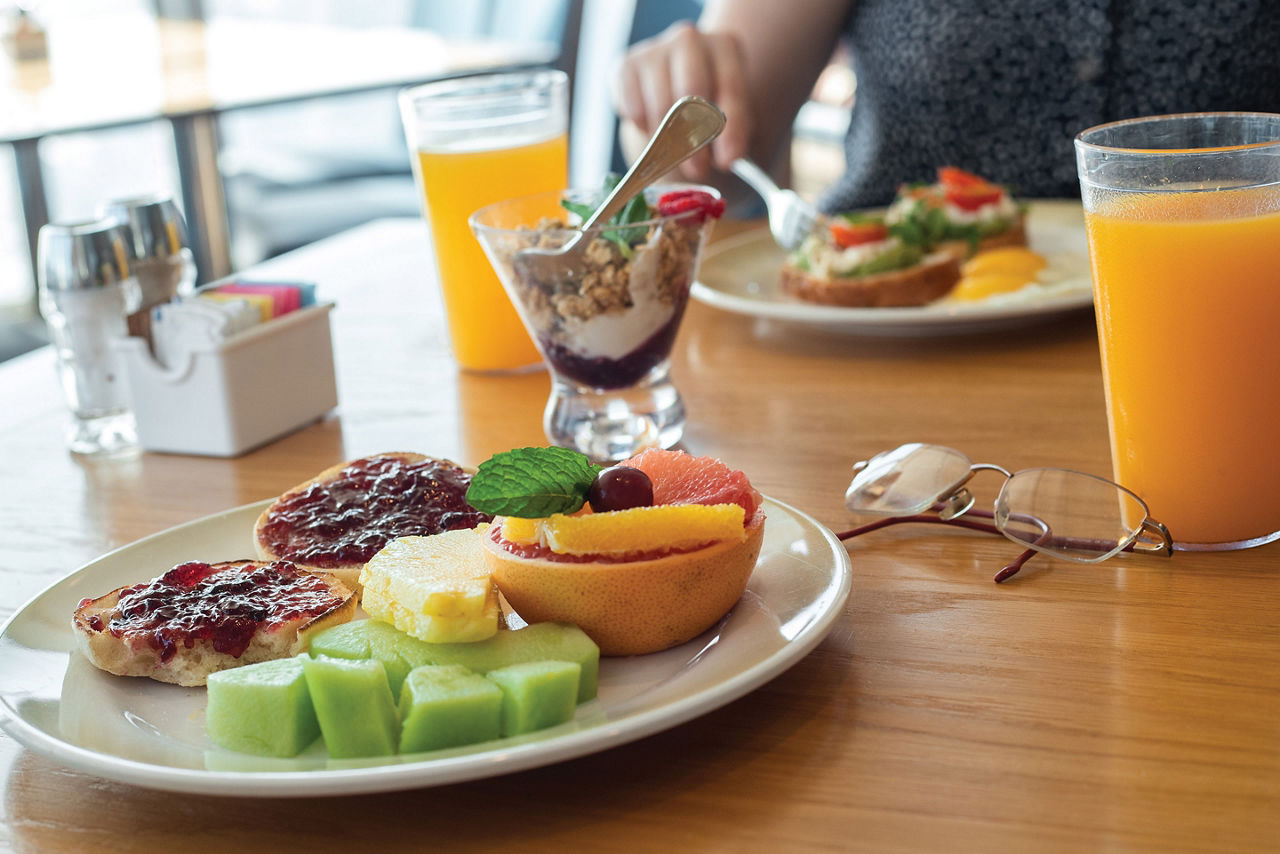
point(1059, 512)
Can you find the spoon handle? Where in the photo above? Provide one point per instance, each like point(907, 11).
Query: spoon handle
point(691, 123)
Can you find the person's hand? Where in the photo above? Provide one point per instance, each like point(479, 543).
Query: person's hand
point(684, 61)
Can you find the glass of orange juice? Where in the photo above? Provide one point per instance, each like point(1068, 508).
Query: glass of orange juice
point(475, 141)
point(1183, 221)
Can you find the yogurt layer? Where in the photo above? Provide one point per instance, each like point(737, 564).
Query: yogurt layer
point(618, 333)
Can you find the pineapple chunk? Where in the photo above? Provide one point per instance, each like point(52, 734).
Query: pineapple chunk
point(432, 629)
point(436, 588)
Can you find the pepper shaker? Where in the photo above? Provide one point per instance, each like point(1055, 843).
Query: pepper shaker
point(87, 290)
point(164, 264)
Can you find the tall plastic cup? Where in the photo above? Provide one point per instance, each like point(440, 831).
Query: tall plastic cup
point(1183, 221)
point(476, 141)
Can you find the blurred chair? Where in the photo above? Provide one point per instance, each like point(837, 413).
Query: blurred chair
point(21, 336)
point(295, 174)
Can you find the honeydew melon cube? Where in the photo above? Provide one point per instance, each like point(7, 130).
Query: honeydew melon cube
point(353, 705)
point(262, 708)
point(536, 694)
point(361, 639)
point(400, 653)
point(448, 706)
point(353, 640)
point(537, 642)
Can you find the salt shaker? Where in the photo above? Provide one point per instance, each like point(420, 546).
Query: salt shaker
point(165, 265)
point(87, 289)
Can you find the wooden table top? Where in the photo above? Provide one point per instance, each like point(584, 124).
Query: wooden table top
point(1128, 706)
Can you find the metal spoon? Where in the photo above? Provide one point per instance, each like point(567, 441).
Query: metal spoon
point(691, 123)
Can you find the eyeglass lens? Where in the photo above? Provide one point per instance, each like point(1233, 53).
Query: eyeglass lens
point(1068, 513)
point(907, 480)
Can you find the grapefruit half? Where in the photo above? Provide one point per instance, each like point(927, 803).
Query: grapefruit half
point(630, 607)
point(645, 600)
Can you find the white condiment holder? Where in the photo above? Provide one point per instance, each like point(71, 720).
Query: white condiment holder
point(248, 390)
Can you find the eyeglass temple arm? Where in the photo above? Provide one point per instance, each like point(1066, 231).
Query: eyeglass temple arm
point(1162, 543)
point(919, 517)
point(1014, 566)
point(1011, 569)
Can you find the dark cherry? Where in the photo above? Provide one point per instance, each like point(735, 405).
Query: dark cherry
point(224, 605)
point(350, 518)
point(620, 488)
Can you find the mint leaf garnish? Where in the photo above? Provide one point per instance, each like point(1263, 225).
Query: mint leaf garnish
point(531, 483)
point(634, 211)
point(581, 210)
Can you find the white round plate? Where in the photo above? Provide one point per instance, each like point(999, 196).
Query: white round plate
point(740, 274)
point(151, 734)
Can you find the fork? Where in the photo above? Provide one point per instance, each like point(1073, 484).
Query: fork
point(791, 218)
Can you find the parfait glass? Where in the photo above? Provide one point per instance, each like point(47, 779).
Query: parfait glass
point(604, 317)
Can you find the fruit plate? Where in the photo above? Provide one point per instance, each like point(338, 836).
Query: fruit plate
point(740, 274)
point(138, 731)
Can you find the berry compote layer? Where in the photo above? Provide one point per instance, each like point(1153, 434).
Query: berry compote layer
point(604, 372)
point(347, 519)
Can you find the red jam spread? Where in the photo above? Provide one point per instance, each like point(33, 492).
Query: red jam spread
point(348, 519)
point(225, 605)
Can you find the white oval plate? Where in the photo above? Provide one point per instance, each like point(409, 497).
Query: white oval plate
point(740, 274)
point(151, 734)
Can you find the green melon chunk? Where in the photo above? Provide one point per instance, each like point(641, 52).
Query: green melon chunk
point(361, 639)
point(263, 708)
point(400, 652)
point(447, 705)
point(353, 705)
point(538, 642)
point(536, 694)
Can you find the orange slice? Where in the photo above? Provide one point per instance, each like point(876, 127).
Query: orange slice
point(640, 529)
point(521, 531)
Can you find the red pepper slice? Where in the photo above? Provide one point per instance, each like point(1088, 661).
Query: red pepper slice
point(966, 190)
point(972, 198)
point(950, 176)
point(846, 234)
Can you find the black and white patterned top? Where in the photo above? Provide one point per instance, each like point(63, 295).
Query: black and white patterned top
point(1001, 87)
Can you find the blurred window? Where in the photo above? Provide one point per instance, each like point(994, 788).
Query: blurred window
point(296, 173)
point(83, 170)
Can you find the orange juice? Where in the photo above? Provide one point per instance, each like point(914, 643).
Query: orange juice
point(485, 331)
point(1187, 287)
